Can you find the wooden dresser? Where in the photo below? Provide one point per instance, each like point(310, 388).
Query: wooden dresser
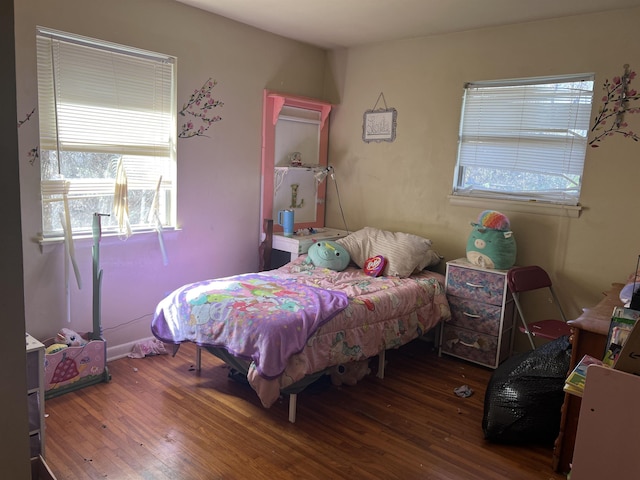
point(589, 336)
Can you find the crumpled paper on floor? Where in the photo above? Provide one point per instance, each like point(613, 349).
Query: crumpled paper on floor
point(463, 391)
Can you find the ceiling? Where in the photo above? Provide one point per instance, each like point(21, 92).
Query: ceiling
point(349, 23)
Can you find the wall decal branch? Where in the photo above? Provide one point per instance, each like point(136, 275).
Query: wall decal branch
point(198, 111)
point(615, 105)
point(34, 154)
point(26, 118)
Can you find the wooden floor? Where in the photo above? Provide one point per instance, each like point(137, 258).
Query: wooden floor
point(160, 419)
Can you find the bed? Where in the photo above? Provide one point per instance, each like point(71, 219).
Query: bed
point(287, 327)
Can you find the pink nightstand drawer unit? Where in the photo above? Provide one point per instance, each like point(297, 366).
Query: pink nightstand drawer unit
point(479, 285)
point(476, 316)
point(482, 309)
point(470, 345)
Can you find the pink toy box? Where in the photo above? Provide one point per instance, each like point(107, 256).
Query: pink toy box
point(74, 367)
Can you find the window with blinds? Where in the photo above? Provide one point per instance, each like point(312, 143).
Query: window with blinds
point(107, 112)
point(524, 139)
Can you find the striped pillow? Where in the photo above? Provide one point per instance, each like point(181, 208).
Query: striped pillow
point(405, 253)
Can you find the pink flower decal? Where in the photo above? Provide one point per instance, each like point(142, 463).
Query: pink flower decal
point(615, 104)
point(198, 108)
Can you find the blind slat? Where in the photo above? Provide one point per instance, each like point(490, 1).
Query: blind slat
point(515, 126)
point(102, 101)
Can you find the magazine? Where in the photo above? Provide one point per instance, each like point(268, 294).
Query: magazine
point(629, 358)
point(576, 380)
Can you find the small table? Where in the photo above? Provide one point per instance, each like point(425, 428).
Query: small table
point(299, 244)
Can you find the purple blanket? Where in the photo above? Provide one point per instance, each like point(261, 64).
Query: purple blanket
point(253, 316)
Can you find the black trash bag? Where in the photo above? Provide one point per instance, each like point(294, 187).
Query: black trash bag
point(524, 396)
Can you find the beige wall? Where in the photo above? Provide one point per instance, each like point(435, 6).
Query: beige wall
point(218, 176)
point(404, 185)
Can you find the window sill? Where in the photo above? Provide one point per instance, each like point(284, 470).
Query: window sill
point(47, 244)
point(531, 206)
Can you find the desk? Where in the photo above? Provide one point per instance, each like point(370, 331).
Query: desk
point(298, 244)
point(589, 336)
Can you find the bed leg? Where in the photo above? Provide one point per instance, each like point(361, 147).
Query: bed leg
point(198, 358)
point(293, 403)
point(381, 356)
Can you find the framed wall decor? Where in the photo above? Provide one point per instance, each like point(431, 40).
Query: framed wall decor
point(379, 125)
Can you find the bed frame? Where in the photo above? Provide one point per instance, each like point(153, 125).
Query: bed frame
point(293, 397)
point(265, 250)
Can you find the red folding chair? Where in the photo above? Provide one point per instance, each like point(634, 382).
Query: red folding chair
point(526, 279)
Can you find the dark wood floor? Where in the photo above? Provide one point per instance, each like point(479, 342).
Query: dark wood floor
point(160, 419)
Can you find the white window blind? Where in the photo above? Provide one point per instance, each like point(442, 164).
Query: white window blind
point(524, 138)
point(100, 103)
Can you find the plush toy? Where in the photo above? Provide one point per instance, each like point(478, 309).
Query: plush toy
point(349, 373)
point(70, 338)
point(328, 254)
point(374, 266)
point(491, 243)
point(55, 348)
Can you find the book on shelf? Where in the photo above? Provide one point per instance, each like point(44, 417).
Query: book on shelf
point(623, 341)
point(629, 357)
point(622, 322)
point(577, 378)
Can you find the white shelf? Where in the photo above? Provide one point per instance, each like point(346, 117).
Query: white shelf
point(299, 244)
point(297, 167)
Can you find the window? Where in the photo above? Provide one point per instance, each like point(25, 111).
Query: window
point(524, 139)
point(107, 112)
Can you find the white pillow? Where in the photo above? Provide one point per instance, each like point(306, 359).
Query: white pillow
point(405, 253)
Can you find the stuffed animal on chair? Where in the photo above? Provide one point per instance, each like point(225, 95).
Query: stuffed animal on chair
point(70, 338)
point(328, 254)
point(491, 243)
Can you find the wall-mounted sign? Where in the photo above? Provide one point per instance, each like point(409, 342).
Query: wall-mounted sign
point(379, 124)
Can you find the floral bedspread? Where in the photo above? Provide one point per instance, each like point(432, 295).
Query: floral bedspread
point(383, 313)
point(361, 317)
point(259, 317)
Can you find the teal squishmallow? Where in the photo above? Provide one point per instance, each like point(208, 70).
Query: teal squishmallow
point(491, 243)
point(328, 254)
